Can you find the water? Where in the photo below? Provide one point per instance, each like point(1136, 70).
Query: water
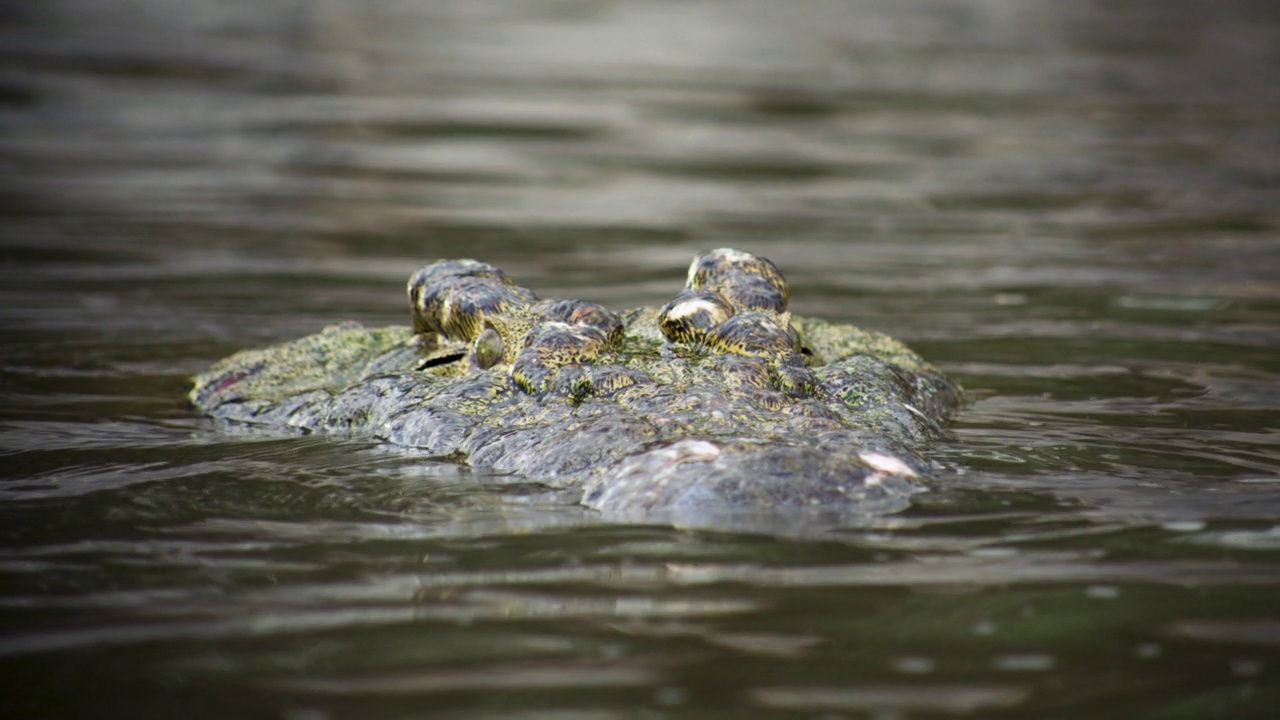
point(1070, 207)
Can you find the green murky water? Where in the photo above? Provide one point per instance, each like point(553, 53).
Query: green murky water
point(1071, 207)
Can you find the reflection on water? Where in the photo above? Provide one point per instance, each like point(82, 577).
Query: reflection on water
point(1071, 207)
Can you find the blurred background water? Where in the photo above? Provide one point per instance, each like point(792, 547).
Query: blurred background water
point(1070, 207)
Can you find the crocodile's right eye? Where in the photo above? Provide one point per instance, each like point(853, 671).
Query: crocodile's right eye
point(488, 349)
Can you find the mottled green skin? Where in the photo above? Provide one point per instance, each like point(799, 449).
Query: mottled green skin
point(644, 428)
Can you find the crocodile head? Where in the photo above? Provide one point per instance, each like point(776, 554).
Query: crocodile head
point(721, 400)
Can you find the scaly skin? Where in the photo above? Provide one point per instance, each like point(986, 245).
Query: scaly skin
point(720, 403)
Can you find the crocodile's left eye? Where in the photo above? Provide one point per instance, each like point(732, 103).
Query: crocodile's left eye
point(488, 349)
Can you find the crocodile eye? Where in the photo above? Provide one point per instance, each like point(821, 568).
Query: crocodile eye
point(488, 349)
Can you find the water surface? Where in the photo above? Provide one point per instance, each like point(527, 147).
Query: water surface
point(1070, 207)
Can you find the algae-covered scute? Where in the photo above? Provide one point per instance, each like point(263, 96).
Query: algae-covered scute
point(720, 402)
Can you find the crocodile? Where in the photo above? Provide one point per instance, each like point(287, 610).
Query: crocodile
point(720, 402)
